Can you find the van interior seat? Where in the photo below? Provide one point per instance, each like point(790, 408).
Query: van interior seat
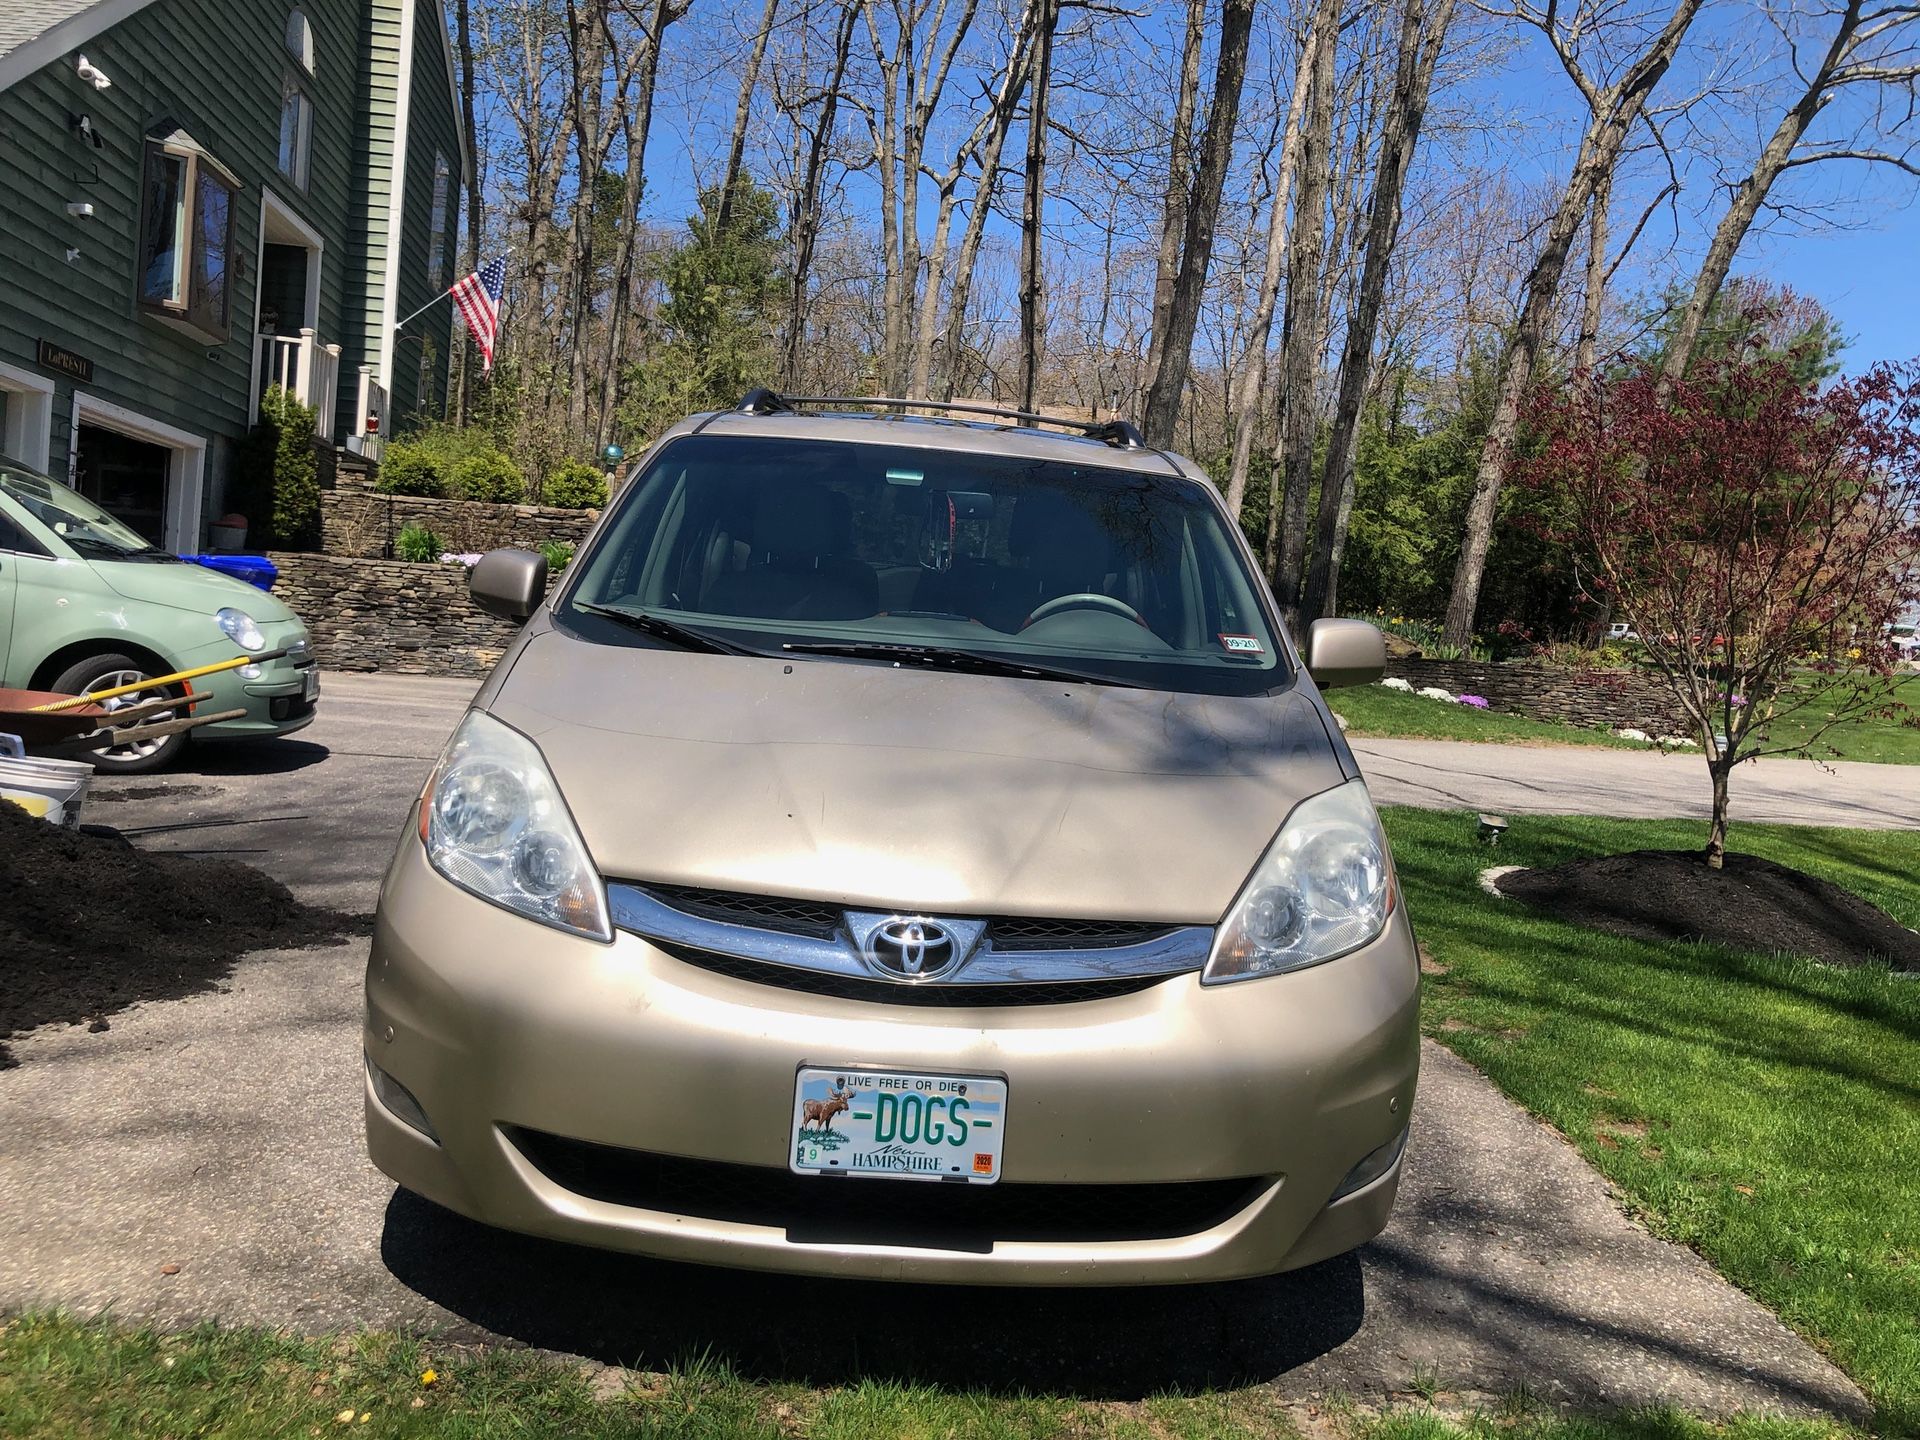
point(801, 564)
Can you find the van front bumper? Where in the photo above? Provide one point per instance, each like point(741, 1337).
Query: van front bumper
point(613, 1095)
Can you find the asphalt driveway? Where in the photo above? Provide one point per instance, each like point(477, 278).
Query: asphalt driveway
point(221, 1135)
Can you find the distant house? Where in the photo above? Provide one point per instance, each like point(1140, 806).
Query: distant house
point(202, 198)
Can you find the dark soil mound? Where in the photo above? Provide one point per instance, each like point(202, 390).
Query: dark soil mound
point(1751, 904)
point(89, 925)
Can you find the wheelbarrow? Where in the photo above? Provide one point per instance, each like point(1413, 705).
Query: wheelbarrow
point(76, 724)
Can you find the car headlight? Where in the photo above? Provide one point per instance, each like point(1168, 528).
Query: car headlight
point(494, 824)
point(1324, 887)
point(240, 628)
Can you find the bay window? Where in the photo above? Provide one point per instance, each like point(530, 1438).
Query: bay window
point(186, 236)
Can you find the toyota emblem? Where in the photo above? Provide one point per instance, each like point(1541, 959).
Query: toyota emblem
point(906, 947)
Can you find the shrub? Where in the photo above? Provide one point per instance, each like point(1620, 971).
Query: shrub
point(408, 469)
point(575, 486)
point(278, 477)
point(559, 555)
point(489, 476)
point(419, 544)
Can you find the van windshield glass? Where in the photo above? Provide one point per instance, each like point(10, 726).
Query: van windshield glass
point(839, 549)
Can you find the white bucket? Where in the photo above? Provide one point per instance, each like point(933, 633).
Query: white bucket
point(61, 784)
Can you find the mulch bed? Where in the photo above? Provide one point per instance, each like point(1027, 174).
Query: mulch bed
point(1751, 904)
point(90, 925)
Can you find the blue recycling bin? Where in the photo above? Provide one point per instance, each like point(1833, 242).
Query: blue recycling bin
point(256, 570)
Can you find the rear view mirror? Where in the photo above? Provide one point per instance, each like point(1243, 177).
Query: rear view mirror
point(1344, 652)
point(509, 583)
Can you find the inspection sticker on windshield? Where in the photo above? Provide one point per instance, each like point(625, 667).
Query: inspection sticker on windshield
point(1243, 644)
point(898, 1124)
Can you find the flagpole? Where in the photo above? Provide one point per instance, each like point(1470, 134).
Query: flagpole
point(400, 325)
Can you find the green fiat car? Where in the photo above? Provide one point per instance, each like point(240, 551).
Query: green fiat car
point(87, 604)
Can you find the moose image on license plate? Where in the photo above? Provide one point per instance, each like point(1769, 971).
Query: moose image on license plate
point(898, 1124)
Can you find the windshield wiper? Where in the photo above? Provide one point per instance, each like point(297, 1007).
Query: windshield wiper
point(672, 631)
point(946, 657)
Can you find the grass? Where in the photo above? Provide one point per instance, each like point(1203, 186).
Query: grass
point(1763, 1110)
point(86, 1379)
point(1373, 711)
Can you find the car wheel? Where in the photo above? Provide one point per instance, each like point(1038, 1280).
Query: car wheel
point(109, 672)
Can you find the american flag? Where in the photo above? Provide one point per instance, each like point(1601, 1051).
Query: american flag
point(478, 297)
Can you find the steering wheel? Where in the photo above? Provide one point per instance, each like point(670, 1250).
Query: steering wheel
point(1084, 600)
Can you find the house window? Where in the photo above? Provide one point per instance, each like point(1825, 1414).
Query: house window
point(296, 132)
point(437, 246)
point(186, 236)
point(300, 39)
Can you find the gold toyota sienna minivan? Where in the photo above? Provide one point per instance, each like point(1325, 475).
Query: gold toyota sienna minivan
point(908, 847)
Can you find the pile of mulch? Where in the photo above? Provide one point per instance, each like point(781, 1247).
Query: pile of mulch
point(1751, 904)
point(90, 925)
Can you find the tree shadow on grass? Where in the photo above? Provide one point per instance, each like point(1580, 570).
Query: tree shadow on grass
point(1114, 1344)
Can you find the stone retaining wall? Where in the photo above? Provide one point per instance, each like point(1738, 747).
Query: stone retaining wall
point(360, 522)
point(1606, 699)
point(390, 615)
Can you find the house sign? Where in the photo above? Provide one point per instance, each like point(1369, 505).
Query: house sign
point(70, 363)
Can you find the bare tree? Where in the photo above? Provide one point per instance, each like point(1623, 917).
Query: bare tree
point(1169, 380)
point(1033, 297)
point(1176, 196)
point(1423, 35)
point(1613, 109)
point(805, 221)
point(742, 116)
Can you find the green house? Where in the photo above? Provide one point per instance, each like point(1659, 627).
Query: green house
point(203, 198)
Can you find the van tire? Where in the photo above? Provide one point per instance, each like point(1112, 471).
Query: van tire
point(92, 671)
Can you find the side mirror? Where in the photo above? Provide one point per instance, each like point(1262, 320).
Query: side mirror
point(509, 583)
point(1339, 652)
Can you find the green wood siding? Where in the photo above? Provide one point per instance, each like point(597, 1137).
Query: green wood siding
point(216, 67)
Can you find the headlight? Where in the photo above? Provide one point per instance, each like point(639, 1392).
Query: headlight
point(1323, 888)
point(240, 628)
point(494, 824)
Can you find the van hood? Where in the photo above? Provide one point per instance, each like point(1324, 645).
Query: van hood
point(187, 586)
point(896, 788)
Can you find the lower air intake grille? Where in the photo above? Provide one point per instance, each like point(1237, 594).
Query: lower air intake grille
point(840, 1209)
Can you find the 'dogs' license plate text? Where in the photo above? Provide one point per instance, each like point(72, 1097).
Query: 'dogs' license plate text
point(898, 1124)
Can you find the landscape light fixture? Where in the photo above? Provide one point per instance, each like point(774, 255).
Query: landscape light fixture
point(1492, 827)
point(614, 454)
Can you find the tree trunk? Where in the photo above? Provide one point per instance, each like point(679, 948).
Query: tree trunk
point(1614, 114)
point(1299, 338)
point(1177, 197)
point(587, 45)
point(1747, 200)
point(742, 114)
point(1033, 298)
point(1253, 369)
point(807, 218)
point(1422, 38)
point(1196, 251)
point(1594, 298)
point(1716, 851)
point(476, 186)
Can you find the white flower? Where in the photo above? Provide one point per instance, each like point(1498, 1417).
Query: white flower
point(469, 560)
point(1394, 682)
point(1631, 734)
point(1434, 692)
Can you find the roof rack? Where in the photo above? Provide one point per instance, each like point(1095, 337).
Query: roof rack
point(1120, 434)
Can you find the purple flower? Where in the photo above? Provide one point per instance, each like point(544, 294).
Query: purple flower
point(1478, 702)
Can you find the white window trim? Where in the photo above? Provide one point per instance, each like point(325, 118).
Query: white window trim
point(195, 159)
point(272, 204)
point(186, 469)
point(28, 437)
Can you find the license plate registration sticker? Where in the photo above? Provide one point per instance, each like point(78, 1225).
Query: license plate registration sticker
point(899, 1124)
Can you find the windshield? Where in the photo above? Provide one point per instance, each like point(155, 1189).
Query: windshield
point(835, 546)
point(90, 530)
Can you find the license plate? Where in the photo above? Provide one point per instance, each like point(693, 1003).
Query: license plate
point(902, 1125)
point(310, 684)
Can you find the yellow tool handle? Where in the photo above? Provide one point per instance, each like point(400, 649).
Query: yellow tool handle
point(158, 680)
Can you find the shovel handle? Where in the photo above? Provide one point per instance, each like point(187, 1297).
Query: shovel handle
point(157, 680)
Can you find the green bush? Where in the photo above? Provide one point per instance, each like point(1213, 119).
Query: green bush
point(489, 476)
point(277, 477)
point(408, 469)
point(559, 555)
point(575, 486)
point(419, 544)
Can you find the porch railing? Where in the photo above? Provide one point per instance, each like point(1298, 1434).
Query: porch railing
point(370, 417)
point(307, 370)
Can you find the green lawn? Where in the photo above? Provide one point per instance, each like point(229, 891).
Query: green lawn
point(93, 1381)
point(1376, 712)
point(1765, 1111)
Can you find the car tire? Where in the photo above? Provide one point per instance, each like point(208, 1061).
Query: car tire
point(106, 672)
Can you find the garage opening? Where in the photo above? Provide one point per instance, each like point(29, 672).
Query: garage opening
point(125, 476)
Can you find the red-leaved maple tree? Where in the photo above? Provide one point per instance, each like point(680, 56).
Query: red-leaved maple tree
point(1761, 533)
